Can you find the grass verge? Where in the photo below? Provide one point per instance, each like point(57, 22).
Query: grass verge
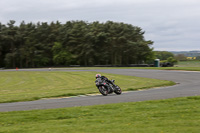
point(178, 115)
point(25, 85)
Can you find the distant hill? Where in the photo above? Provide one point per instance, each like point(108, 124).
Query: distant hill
point(187, 53)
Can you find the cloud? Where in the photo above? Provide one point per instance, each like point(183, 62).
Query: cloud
point(170, 24)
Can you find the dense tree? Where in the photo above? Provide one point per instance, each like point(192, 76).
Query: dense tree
point(60, 55)
point(172, 60)
point(198, 57)
point(72, 43)
point(163, 55)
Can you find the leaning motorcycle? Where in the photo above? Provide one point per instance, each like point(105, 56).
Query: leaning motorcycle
point(106, 88)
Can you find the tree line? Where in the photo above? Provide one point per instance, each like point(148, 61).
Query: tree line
point(45, 44)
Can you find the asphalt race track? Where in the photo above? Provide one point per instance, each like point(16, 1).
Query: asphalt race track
point(187, 85)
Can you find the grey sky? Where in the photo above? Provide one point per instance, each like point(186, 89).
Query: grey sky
point(171, 24)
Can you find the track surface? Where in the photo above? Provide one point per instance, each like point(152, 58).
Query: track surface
point(188, 85)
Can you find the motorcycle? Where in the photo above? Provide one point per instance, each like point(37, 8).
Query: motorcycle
point(106, 88)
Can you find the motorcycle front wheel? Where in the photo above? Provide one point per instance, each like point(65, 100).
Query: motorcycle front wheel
point(103, 90)
point(118, 90)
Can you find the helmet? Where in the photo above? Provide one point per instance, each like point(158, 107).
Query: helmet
point(98, 75)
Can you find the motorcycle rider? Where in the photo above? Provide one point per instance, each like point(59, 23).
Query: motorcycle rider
point(109, 85)
point(104, 78)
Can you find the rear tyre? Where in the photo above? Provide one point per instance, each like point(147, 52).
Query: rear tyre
point(103, 90)
point(118, 90)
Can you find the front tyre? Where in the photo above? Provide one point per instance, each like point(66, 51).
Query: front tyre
point(118, 90)
point(103, 90)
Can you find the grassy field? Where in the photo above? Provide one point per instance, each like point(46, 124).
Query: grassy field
point(179, 115)
point(192, 63)
point(25, 86)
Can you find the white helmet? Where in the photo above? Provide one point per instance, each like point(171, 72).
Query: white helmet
point(98, 75)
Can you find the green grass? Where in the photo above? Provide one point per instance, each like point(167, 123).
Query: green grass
point(26, 86)
point(192, 63)
point(179, 115)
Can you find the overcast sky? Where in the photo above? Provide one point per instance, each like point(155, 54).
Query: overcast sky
point(171, 24)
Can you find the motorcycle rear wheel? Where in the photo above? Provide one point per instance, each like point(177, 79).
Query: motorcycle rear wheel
point(103, 90)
